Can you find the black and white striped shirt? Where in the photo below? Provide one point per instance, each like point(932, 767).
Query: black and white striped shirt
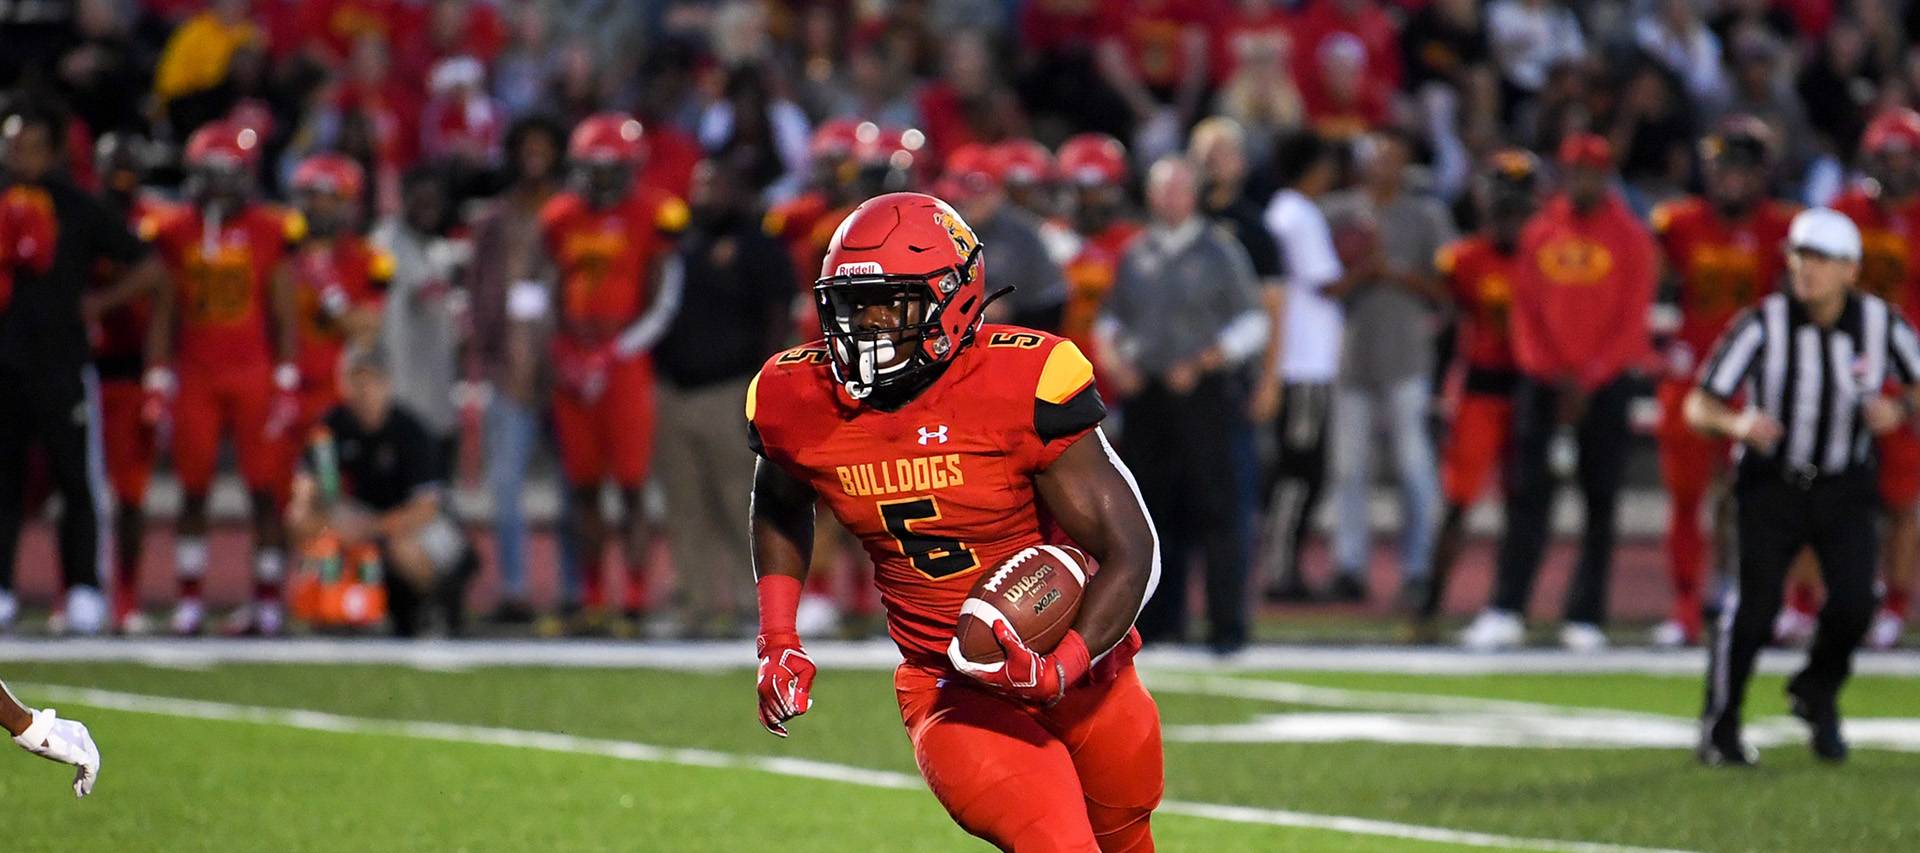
point(1812, 380)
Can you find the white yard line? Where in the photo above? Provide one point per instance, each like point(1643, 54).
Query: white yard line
point(630, 751)
point(880, 654)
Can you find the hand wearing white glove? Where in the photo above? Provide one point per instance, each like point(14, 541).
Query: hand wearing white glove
point(67, 742)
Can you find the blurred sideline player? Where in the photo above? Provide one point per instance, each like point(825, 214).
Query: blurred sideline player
point(1724, 251)
point(616, 290)
point(827, 198)
point(1026, 171)
point(1479, 270)
point(1040, 752)
point(1886, 207)
point(228, 330)
point(1094, 230)
point(340, 281)
point(129, 442)
point(43, 733)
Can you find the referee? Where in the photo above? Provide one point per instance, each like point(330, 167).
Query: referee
point(1811, 363)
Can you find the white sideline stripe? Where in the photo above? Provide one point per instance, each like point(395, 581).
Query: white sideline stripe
point(881, 654)
point(1339, 697)
point(630, 751)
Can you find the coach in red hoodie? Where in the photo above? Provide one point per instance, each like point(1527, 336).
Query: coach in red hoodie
point(1579, 316)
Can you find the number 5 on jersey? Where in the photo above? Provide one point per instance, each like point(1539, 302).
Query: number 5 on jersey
point(933, 555)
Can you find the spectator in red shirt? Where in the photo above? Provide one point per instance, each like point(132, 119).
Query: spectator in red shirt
point(1362, 19)
point(1343, 98)
point(1155, 55)
point(461, 124)
point(1580, 310)
point(968, 104)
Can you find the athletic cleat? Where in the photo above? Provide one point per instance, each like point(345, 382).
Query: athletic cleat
point(1724, 749)
point(189, 618)
point(133, 623)
point(1886, 630)
point(9, 610)
point(86, 611)
point(269, 619)
point(1671, 635)
point(1492, 631)
point(1823, 725)
point(1794, 627)
point(1583, 638)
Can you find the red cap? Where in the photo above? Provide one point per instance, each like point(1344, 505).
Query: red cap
point(1093, 158)
point(1022, 161)
point(1894, 129)
point(223, 142)
point(608, 137)
point(1586, 149)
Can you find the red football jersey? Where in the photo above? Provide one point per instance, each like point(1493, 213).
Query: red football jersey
point(604, 257)
point(347, 273)
point(120, 335)
point(1481, 279)
point(1721, 266)
point(1090, 274)
point(1887, 237)
point(795, 222)
point(223, 281)
point(942, 487)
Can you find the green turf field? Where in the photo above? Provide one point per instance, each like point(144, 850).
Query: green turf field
point(673, 760)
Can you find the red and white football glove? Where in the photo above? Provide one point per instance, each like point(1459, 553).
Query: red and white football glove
point(786, 680)
point(1029, 676)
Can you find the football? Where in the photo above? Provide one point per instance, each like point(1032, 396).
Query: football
point(1037, 591)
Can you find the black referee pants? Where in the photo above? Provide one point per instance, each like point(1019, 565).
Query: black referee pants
point(1181, 451)
point(1602, 436)
point(1836, 516)
point(56, 409)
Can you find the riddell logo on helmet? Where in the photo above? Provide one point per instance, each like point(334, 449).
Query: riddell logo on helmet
point(861, 268)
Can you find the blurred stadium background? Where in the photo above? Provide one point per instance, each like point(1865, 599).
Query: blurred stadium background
point(1320, 727)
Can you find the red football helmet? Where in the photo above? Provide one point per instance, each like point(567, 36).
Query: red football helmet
point(223, 145)
point(607, 138)
point(833, 140)
point(1897, 128)
point(969, 172)
point(1093, 158)
point(910, 254)
point(331, 174)
point(1022, 162)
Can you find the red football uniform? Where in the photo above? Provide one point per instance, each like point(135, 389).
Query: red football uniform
point(1889, 270)
point(223, 281)
point(795, 222)
point(330, 280)
point(1090, 274)
point(1481, 279)
point(605, 259)
point(119, 352)
point(1721, 267)
point(936, 491)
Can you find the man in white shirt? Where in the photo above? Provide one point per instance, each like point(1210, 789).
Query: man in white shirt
point(1309, 357)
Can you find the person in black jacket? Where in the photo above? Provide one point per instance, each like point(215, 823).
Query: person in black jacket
point(734, 312)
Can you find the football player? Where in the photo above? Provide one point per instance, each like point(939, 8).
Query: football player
point(128, 440)
point(43, 733)
point(618, 285)
point(1479, 270)
point(221, 359)
point(1025, 168)
point(340, 280)
point(1886, 206)
point(946, 446)
point(830, 174)
point(1097, 228)
point(1724, 251)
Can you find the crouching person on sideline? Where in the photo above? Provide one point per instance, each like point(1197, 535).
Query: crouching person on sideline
point(388, 496)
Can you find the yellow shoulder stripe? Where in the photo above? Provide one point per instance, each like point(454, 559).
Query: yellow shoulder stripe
point(753, 394)
point(1066, 372)
point(296, 226)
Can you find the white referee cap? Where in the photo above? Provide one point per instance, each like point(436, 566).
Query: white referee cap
point(1826, 231)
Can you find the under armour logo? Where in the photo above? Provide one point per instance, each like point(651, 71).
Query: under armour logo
point(929, 436)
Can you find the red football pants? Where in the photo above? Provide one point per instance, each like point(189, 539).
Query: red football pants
point(127, 440)
point(610, 437)
point(1481, 427)
point(1689, 462)
point(236, 401)
point(1084, 775)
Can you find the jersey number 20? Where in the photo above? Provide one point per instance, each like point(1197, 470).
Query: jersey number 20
point(933, 555)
